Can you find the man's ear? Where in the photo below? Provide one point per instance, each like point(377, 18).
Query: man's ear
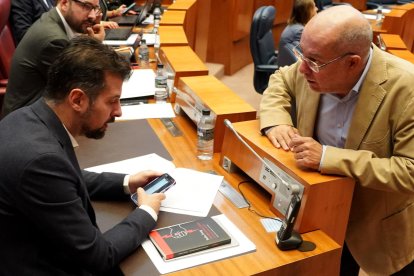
point(64, 4)
point(354, 61)
point(78, 100)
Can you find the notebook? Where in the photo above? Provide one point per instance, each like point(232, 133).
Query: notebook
point(134, 19)
point(118, 34)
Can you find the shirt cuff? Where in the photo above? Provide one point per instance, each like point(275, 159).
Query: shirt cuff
point(266, 130)
point(126, 185)
point(150, 211)
point(323, 155)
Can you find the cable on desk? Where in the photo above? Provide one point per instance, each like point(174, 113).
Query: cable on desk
point(250, 208)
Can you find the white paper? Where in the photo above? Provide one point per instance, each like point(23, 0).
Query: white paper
point(149, 38)
point(130, 41)
point(146, 111)
point(130, 166)
point(244, 246)
point(140, 84)
point(193, 193)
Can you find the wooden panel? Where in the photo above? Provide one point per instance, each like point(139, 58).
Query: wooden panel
point(241, 18)
point(182, 61)
point(393, 41)
point(172, 36)
point(323, 194)
point(182, 5)
point(393, 22)
point(173, 17)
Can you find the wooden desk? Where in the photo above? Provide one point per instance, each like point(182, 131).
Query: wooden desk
point(266, 260)
point(404, 54)
point(393, 41)
point(173, 17)
point(182, 5)
point(172, 36)
point(182, 62)
point(393, 22)
point(323, 194)
point(190, 23)
point(195, 93)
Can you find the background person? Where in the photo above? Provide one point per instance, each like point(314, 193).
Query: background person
point(42, 43)
point(354, 118)
point(303, 11)
point(23, 13)
point(48, 222)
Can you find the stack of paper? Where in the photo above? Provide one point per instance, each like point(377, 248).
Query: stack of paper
point(192, 195)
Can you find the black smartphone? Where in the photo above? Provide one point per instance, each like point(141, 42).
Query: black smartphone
point(127, 9)
point(158, 185)
point(288, 222)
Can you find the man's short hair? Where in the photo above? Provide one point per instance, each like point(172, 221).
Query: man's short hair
point(83, 64)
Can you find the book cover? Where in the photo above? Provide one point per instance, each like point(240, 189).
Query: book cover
point(188, 237)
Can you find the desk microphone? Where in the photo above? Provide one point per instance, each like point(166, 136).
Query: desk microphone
point(294, 188)
point(286, 237)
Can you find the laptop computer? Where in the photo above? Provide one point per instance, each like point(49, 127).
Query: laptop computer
point(134, 19)
point(118, 34)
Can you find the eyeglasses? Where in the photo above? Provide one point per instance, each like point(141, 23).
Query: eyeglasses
point(89, 7)
point(315, 67)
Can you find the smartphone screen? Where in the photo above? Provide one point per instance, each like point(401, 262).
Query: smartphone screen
point(158, 185)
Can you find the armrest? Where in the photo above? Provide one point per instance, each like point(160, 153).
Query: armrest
point(270, 68)
point(3, 82)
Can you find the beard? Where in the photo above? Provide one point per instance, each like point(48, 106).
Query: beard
point(79, 27)
point(97, 133)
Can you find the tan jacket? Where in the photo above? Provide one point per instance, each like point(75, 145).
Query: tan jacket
point(378, 154)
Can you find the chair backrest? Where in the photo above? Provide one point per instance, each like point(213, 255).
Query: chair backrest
point(7, 47)
point(286, 56)
point(262, 45)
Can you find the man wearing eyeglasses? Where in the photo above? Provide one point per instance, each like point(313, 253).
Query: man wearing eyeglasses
point(43, 41)
point(355, 117)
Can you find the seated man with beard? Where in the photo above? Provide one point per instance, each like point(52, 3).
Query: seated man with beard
point(44, 40)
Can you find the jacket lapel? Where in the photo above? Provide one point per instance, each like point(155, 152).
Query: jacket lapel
point(369, 100)
point(310, 110)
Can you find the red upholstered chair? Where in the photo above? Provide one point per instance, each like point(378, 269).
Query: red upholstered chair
point(7, 46)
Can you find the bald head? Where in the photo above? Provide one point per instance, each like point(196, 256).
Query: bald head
point(341, 27)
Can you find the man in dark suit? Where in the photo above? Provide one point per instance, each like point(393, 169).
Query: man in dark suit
point(42, 43)
point(48, 223)
point(23, 13)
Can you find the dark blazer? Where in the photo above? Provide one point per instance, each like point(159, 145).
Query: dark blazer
point(289, 39)
point(23, 13)
point(48, 225)
point(31, 61)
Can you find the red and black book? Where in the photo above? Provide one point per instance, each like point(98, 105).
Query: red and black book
point(188, 237)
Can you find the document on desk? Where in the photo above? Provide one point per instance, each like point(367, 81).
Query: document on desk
point(194, 191)
point(242, 245)
point(140, 84)
point(146, 111)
